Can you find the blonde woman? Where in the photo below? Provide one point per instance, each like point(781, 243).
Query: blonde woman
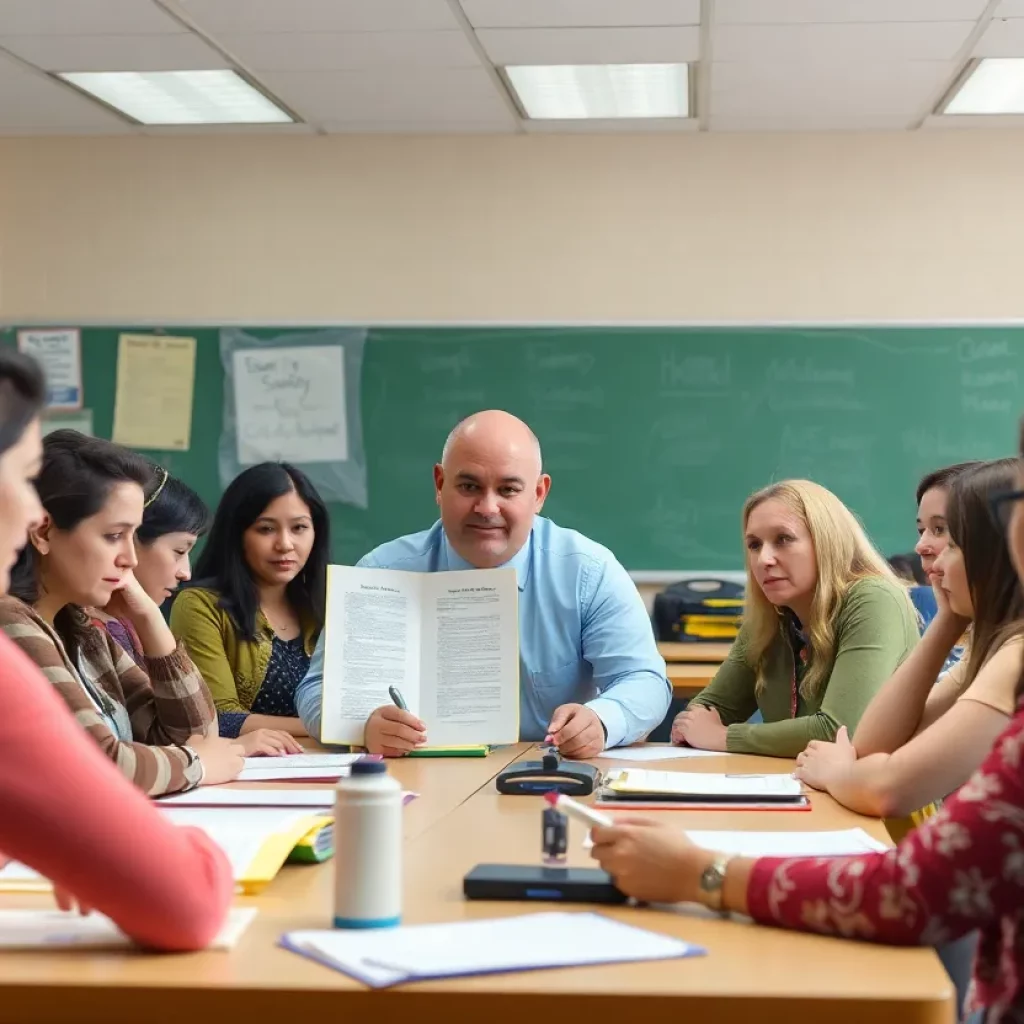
point(826, 624)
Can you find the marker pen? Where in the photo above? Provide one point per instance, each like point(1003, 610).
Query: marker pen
point(576, 810)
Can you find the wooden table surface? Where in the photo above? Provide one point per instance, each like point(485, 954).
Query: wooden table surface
point(715, 653)
point(751, 974)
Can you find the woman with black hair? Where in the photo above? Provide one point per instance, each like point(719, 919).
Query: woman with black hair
point(173, 519)
point(65, 808)
point(252, 619)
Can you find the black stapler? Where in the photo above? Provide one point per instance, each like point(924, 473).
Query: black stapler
point(549, 775)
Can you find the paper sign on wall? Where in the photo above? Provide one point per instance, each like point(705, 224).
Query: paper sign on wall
point(155, 381)
point(60, 355)
point(290, 404)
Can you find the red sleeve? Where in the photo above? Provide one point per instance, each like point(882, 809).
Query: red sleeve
point(958, 871)
point(69, 813)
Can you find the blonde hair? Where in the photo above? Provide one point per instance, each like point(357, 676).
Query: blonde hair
point(843, 554)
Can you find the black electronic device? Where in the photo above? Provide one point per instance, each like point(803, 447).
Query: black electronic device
point(550, 775)
point(542, 884)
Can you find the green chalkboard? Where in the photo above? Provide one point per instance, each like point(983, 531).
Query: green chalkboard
point(653, 437)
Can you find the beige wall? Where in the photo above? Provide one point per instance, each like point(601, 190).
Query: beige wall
point(629, 228)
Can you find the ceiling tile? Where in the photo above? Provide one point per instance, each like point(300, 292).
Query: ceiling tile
point(580, 13)
point(505, 127)
point(590, 45)
point(115, 53)
point(848, 43)
point(321, 15)
point(1003, 38)
point(810, 123)
point(771, 90)
point(806, 12)
point(351, 51)
point(973, 121)
point(353, 96)
point(32, 101)
point(614, 126)
point(1010, 9)
point(84, 17)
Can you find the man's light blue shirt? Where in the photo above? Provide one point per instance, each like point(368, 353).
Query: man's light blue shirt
point(584, 633)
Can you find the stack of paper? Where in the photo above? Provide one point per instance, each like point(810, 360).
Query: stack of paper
point(527, 943)
point(845, 843)
point(56, 929)
point(226, 796)
point(298, 767)
point(638, 787)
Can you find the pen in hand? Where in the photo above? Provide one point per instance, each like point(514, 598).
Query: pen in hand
point(397, 699)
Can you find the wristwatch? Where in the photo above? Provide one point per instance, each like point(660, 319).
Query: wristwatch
point(194, 771)
point(712, 878)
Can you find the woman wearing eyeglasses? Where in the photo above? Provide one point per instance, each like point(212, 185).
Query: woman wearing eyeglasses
point(961, 870)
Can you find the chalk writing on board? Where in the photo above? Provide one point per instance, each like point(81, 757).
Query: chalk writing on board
point(552, 358)
point(290, 404)
point(566, 399)
point(453, 363)
point(815, 400)
point(694, 372)
point(987, 404)
point(934, 446)
point(678, 441)
point(971, 350)
point(673, 526)
point(461, 398)
point(806, 371)
point(981, 379)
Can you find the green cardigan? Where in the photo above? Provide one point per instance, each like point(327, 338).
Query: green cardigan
point(234, 669)
point(876, 629)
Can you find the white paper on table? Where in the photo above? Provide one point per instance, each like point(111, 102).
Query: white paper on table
point(292, 774)
point(653, 752)
point(50, 929)
point(842, 843)
point(303, 761)
point(216, 796)
point(710, 784)
point(525, 943)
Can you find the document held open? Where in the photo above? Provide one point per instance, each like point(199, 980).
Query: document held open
point(448, 641)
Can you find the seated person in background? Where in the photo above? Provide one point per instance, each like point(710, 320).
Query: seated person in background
point(959, 871)
point(590, 675)
point(65, 810)
point(157, 724)
point(919, 740)
point(909, 569)
point(826, 623)
point(173, 519)
point(257, 608)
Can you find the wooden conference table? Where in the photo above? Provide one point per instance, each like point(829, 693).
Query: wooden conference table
point(751, 974)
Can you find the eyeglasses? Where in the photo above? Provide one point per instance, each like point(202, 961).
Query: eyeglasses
point(1002, 506)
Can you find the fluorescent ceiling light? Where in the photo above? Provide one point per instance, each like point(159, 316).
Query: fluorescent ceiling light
point(569, 92)
point(995, 86)
point(180, 97)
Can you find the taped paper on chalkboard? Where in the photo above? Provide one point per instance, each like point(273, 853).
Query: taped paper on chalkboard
point(295, 398)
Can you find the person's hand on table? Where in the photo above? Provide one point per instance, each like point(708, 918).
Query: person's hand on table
point(393, 732)
point(576, 730)
point(699, 727)
point(269, 743)
point(222, 759)
point(821, 763)
point(652, 861)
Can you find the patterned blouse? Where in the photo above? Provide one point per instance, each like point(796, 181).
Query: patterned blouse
point(287, 667)
point(961, 870)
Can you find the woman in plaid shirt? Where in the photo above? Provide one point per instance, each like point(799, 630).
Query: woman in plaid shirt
point(158, 724)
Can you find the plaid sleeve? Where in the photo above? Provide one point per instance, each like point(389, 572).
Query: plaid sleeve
point(154, 769)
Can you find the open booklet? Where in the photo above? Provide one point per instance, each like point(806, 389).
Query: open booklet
point(447, 641)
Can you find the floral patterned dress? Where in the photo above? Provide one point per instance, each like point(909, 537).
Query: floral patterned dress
point(961, 870)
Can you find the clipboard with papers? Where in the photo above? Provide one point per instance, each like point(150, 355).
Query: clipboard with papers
point(641, 789)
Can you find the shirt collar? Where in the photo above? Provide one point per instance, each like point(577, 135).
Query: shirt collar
point(520, 561)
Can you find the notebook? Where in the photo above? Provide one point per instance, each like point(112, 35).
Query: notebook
point(530, 942)
point(256, 840)
point(228, 796)
point(58, 929)
point(840, 843)
point(295, 767)
point(639, 787)
point(481, 750)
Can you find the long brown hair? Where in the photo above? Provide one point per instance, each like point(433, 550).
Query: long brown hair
point(996, 591)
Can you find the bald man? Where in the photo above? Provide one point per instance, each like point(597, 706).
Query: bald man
point(590, 676)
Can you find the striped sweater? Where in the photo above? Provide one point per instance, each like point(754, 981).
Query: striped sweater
point(138, 718)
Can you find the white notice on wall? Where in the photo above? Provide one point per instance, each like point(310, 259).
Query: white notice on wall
point(60, 355)
point(290, 404)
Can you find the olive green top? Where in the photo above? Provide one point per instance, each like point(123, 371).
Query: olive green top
point(876, 629)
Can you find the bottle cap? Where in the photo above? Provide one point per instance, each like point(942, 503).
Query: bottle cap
point(369, 768)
